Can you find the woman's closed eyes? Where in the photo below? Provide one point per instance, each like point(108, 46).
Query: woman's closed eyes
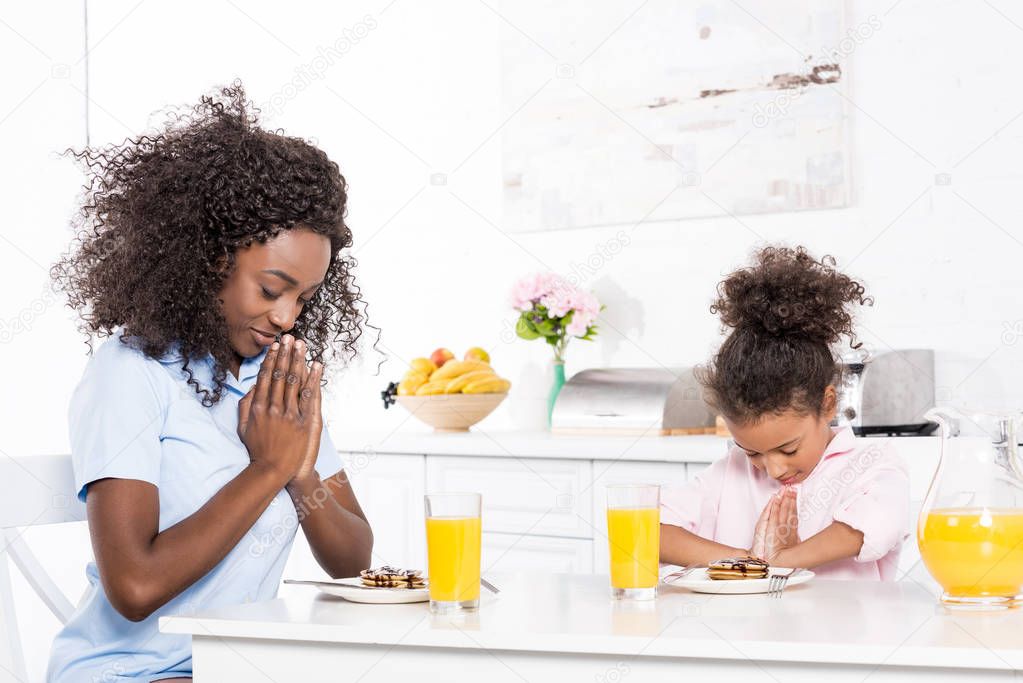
point(273, 297)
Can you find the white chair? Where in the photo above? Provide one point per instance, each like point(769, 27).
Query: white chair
point(35, 490)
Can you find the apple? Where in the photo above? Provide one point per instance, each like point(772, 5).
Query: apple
point(476, 353)
point(441, 356)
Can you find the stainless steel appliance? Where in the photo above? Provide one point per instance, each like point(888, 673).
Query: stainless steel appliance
point(888, 393)
point(667, 401)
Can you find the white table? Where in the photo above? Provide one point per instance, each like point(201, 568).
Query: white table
point(565, 628)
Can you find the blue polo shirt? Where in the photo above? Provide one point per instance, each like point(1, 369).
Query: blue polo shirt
point(132, 417)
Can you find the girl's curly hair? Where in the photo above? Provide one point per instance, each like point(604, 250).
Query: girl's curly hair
point(164, 214)
point(787, 311)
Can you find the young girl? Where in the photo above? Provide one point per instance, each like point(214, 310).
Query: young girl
point(792, 490)
point(196, 437)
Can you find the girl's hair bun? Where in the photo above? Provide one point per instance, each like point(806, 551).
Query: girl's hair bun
point(789, 293)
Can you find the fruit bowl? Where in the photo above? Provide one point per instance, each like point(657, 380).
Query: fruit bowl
point(447, 394)
point(451, 412)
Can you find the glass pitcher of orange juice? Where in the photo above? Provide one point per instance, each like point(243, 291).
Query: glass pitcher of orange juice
point(970, 529)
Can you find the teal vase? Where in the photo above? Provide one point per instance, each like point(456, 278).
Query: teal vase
point(559, 381)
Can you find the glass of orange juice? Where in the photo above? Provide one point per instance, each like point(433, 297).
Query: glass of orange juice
point(453, 550)
point(634, 538)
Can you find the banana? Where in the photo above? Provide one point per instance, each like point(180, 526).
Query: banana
point(487, 385)
point(410, 383)
point(431, 388)
point(454, 368)
point(458, 383)
point(423, 366)
point(407, 388)
point(416, 378)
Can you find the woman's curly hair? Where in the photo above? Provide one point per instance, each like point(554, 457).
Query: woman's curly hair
point(787, 311)
point(164, 214)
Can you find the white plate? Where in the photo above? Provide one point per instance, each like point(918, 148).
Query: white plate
point(352, 590)
point(699, 582)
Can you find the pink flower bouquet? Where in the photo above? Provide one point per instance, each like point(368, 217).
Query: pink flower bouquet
point(555, 310)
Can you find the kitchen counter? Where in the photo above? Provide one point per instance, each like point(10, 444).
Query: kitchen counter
point(543, 623)
point(540, 444)
point(543, 444)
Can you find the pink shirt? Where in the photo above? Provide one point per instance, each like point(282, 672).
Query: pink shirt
point(860, 482)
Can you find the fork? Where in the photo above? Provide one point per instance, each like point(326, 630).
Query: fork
point(685, 571)
point(779, 581)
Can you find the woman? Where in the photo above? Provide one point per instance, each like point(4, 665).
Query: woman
point(212, 255)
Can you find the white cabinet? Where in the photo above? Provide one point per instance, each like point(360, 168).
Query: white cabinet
point(390, 490)
point(534, 496)
point(515, 553)
point(663, 473)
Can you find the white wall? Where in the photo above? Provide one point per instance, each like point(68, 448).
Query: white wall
point(417, 93)
point(421, 96)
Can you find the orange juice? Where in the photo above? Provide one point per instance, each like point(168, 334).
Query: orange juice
point(453, 547)
point(634, 536)
point(974, 552)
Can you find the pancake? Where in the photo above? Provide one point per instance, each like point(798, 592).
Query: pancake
point(738, 568)
point(392, 577)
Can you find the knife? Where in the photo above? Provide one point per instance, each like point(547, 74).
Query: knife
point(335, 584)
point(306, 582)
